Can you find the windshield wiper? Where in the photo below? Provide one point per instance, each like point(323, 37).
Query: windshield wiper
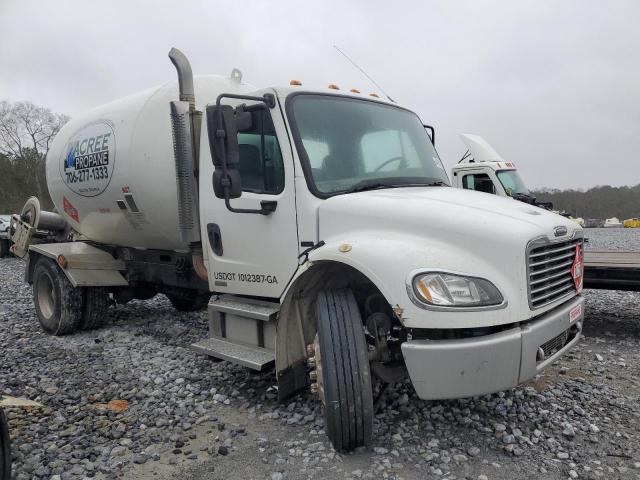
point(524, 197)
point(376, 184)
point(438, 183)
point(369, 185)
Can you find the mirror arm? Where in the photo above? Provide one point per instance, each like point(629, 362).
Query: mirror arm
point(266, 206)
point(433, 133)
point(269, 99)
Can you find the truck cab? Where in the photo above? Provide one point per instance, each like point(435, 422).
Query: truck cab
point(482, 169)
point(319, 229)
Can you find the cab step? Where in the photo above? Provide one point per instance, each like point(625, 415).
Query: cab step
point(245, 307)
point(250, 356)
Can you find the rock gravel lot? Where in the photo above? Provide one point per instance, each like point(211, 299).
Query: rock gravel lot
point(132, 401)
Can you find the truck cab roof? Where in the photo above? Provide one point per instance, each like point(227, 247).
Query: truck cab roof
point(285, 91)
point(480, 152)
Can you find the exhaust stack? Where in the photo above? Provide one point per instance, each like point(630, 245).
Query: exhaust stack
point(185, 127)
point(185, 77)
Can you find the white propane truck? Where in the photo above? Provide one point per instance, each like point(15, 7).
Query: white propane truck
point(482, 169)
point(320, 229)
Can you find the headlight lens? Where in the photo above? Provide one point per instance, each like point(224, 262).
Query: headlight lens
point(449, 290)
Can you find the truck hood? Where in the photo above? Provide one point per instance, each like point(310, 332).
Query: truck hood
point(389, 235)
point(439, 211)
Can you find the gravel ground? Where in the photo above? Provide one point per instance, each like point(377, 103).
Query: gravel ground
point(627, 239)
point(132, 401)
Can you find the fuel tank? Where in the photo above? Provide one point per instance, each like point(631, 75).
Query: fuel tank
point(111, 171)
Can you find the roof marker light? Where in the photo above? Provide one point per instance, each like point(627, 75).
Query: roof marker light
point(295, 83)
point(354, 90)
point(333, 86)
point(374, 95)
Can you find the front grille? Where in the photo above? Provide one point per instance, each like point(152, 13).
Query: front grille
point(549, 271)
point(555, 344)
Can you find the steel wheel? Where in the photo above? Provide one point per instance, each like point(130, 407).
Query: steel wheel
point(58, 304)
point(46, 296)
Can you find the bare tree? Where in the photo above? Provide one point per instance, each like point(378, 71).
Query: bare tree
point(26, 132)
point(24, 125)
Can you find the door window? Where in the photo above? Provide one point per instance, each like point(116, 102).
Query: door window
point(261, 167)
point(480, 182)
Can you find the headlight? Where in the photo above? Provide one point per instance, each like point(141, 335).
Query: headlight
point(450, 290)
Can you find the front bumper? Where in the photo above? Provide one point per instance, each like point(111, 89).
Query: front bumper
point(490, 363)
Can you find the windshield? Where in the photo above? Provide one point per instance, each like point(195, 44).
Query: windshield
point(512, 182)
point(347, 143)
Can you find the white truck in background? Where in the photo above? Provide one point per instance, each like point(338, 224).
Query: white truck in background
point(320, 229)
point(482, 169)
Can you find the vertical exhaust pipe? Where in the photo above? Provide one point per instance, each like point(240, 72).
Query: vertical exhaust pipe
point(185, 77)
point(185, 123)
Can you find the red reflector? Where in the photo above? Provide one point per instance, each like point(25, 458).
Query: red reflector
point(577, 270)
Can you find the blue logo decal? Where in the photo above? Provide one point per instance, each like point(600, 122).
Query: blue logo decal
point(70, 160)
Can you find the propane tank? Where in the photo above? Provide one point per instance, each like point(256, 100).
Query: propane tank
point(112, 173)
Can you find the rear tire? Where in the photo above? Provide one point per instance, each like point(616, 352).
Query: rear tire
point(94, 309)
point(5, 449)
point(189, 301)
point(344, 370)
point(58, 304)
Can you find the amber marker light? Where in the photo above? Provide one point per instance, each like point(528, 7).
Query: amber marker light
point(295, 83)
point(424, 291)
point(333, 86)
point(374, 95)
point(354, 90)
point(62, 261)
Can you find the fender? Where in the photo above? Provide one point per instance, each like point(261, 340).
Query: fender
point(388, 260)
point(85, 265)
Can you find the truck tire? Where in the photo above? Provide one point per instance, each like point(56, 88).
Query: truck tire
point(5, 449)
point(344, 370)
point(190, 301)
point(4, 248)
point(94, 308)
point(58, 303)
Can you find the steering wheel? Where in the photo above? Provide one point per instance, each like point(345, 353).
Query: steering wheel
point(402, 164)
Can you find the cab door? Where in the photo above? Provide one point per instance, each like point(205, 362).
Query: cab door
point(248, 253)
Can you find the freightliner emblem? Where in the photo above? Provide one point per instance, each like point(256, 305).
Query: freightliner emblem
point(560, 231)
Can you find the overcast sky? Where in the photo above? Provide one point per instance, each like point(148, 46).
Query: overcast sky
point(552, 85)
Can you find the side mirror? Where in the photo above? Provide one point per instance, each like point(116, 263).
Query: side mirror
point(223, 142)
point(223, 124)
